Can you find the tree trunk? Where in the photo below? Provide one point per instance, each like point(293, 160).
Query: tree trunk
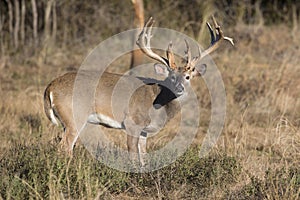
point(35, 22)
point(17, 23)
point(1, 35)
point(137, 55)
point(10, 20)
point(23, 13)
point(47, 20)
point(54, 23)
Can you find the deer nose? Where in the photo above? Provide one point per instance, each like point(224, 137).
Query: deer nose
point(179, 89)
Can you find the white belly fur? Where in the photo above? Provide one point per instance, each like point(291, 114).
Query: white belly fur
point(96, 118)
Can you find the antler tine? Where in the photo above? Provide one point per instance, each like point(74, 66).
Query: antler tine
point(191, 62)
point(148, 28)
point(229, 39)
point(171, 57)
point(219, 32)
point(212, 35)
point(215, 38)
point(188, 55)
point(196, 59)
point(144, 43)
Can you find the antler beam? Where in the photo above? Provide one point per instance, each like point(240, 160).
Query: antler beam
point(216, 36)
point(144, 43)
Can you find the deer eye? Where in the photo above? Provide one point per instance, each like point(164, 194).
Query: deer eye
point(173, 78)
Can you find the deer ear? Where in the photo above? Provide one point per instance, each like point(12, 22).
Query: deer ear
point(200, 70)
point(161, 69)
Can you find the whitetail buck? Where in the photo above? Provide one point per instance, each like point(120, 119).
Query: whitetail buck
point(162, 95)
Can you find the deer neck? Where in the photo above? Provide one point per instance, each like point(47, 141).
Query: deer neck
point(165, 96)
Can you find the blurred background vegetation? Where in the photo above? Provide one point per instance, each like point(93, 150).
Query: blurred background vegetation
point(40, 27)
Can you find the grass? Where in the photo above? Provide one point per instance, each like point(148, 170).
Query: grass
point(38, 172)
point(256, 157)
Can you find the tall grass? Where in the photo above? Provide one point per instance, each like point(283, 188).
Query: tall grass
point(256, 157)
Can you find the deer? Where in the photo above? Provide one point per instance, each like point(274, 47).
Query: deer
point(161, 94)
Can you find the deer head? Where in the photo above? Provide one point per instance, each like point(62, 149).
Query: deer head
point(178, 77)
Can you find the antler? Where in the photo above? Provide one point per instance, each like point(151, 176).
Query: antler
point(171, 58)
point(190, 63)
point(216, 39)
point(144, 43)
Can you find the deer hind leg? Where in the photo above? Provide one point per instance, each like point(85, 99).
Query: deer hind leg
point(70, 133)
point(66, 142)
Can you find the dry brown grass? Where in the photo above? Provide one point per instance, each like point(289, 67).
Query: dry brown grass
point(261, 75)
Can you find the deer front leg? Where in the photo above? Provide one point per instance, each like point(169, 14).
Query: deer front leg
point(133, 150)
point(133, 136)
point(132, 144)
point(142, 145)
